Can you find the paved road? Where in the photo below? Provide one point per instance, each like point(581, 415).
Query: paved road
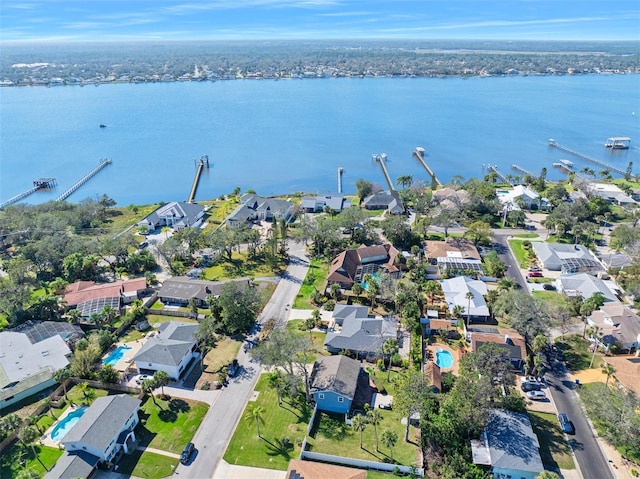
point(591, 461)
point(220, 421)
point(513, 269)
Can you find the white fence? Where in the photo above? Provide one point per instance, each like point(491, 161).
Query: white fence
point(361, 463)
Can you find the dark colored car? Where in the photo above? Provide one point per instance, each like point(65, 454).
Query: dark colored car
point(566, 424)
point(186, 453)
point(233, 369)
point(530, 386)
point(548, 287)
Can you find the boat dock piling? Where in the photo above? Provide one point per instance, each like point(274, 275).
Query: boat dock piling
point(340, 171)
point(520, 169)
point(554, 144)
point(202, 163)
point(418, 154)
point(40, 184)
point(382, 160)
point(103, 163)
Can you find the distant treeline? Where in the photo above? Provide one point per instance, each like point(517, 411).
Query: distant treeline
point(23, 64)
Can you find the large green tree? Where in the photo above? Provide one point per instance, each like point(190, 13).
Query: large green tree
point(240, 306)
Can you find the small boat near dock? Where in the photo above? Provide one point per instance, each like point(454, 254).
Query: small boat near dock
point(102, 125)
point(618, 143)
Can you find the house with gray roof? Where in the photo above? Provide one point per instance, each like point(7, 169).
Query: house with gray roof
point(254, 208)
point(618, 325)
point(455, 294)
point(105, 429)
point(508, 446)
point(171, 350)
point(315, 204)
point(567, 258)
point(181, 289)
point(385, 200)
point(28, 363)
point(360, 334)
point(342, 311)
point(585, 285)
point(176, 215)
point(334, 380)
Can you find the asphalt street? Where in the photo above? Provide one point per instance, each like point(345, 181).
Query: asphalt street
point(220, 421)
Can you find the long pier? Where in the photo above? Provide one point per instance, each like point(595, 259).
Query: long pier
point(418, 154)
point(382, 160)
point(340, 172)
point(554, 144)
point(103, 163)
point(204, 161)
point(520, 169)
point(41, 184)
point(495, 169)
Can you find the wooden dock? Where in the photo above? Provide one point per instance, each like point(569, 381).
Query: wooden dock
point(103, 164)
point(382, 160)
point(554, 144)
point(418, 154)
point(202, 164)
point(520, 169)
point(39, 184)
point(495, 169)
point(340, 172)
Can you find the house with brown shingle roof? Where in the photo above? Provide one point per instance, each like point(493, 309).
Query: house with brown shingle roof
point(618, 325)
point(508, 339)
point(433, 375)
point(82, 291)
point(451, 247)
point(299, 469)
point(352, 265)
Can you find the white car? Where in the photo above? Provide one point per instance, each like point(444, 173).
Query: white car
point(528, 379)
point(142, 377)
point(536, 395)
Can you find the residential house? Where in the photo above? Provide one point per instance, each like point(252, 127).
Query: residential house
point(450, 247)
point(359, 334)
point(105, 429)
point(609, 192)
point(89, 297)
point(509, 340)
point(29, 358)
point(448, 266)
point(299, 469)
point(181, 289)
point(254, 208)
point(455, 294)
point(385, 200)
point(450, 198)
point(315, 204)
point(176, 215)
point(433, 376)
point(334, 380)
point(585, 285)
point(508, 446)
point(617, 325)
point(343, 311)
point(171, 350)
point(567, 258)
point(352, 265)
point(615, 260)
point(511, 199)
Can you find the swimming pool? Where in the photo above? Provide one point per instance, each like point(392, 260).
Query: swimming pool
point(444, 358)
point(116, 355)
point(64, 425)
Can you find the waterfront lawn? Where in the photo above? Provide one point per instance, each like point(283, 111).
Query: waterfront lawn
point(330, 435)
point(271, 452)
point(146, 464)
point(121, 218)
point(317, 336)
point(222, 208)
point(17, 457)
point(554, 450)
point(315, 280)
point(576, 352)
point(240, 266)
point(168, 424)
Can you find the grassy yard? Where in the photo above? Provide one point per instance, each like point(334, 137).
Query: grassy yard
point(239, 266)
point(270, 451)
point(147, 465)
point(76, 396)
point(217, 358)
point(317, 336)
point(315, 280)
point(121, 218)
point(159, 319)
point(527, 235)
point(170, 424)
point(550, 297)
point(523, 257)
point(332, 436)
point(554, 450)
point(576, 352)
point(17, 457)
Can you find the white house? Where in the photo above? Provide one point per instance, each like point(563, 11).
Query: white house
point(568, 258)
point(176, 215)
point(585, 285)
point(512, 198)
point(170, 351)
point(455, 293)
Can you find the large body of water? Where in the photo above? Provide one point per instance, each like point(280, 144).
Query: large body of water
point(279, 137)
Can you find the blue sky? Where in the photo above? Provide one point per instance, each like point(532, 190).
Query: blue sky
point(86, 20)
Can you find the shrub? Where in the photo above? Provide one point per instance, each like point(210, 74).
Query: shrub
point(329, 305)
point(380, 365)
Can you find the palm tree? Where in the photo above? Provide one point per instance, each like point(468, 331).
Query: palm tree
point(82, 387)
point(74, 316)
point(404, 180)
point(469, 297)
point(166, 230)
point(276, 381)
point(47, 404)
point(255, 413)
point(374, 417)
point(28, 437)
point(161, 378)
point(147, 386)
point(389, 348)
point(61, 376)
point(109, 314)
point(389, 439)
point(359, 424)
point(609, 370)
point(357, 289)
point(594, 333)
point(432, 288)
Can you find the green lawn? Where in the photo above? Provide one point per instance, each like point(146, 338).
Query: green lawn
point(526, 235)
point(315, 280)
point(239, 266)
point(170, 424)
point(11, 462)
point(76, 396)
point(223, 353)
point(147, 465)
point(523, 257)
point(317, 336)
point(289, 421)
point(550, 297)
point(554, 450)
point(576, 352)
point(332, 436)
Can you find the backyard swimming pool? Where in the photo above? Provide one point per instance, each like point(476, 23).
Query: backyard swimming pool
point(65, 424)
point(116, 355)
point(444, 358)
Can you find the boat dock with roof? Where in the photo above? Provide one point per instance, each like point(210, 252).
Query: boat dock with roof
point(618, 142)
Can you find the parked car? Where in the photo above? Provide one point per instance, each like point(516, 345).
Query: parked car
point(186, 453)
point(233, 369)
point(536, 395)
point(526, 387)
point(528, 379)
point(548, 287)
point(566, 424)
point(143, 245)
point(535, 268)
point(142, 377)
point(535, 274)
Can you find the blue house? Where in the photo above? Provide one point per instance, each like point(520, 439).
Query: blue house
point(334, 381)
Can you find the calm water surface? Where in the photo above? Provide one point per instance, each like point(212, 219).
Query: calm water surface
point(283, 136)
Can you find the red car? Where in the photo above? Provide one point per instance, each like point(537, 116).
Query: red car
point(535, 274)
